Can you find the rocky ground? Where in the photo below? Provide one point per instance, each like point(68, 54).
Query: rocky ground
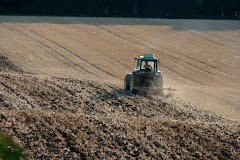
point(66, 118)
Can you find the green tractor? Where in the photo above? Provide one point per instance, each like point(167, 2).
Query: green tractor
point(145, 76)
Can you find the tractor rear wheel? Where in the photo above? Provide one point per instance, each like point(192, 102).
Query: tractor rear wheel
point(135, 82)
point(126, 87)
point(127, 81)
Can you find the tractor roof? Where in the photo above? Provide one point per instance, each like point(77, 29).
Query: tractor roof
point(147, 57)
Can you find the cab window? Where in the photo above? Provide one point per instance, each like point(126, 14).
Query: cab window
point(148, 63)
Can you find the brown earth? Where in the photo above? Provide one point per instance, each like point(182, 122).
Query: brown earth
point(61, 88)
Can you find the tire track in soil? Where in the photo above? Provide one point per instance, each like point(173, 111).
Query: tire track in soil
point(152, 48)
point(137, 46)
point(203, 63)
point(213, 67)
point(184, 75)
point(208, 65)
point(112, 58)
point(212, 41)
point(168, 68)
point(54, 51)
point(114, 35)
point(126, 40)
point(84, 60)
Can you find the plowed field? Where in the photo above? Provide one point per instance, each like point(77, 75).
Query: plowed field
point(61, 91)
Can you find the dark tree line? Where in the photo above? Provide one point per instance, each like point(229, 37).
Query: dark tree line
point(227, 9)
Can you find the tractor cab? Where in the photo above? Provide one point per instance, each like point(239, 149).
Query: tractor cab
point(147, 63)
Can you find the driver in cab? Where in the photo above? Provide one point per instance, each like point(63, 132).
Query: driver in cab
point(147, 67)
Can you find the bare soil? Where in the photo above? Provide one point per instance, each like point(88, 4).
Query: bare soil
point(61, 88)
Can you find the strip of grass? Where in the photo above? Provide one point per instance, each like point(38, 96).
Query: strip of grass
point(9, 150)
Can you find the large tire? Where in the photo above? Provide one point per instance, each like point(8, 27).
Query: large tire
point(135, 82)
point(127, 81)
